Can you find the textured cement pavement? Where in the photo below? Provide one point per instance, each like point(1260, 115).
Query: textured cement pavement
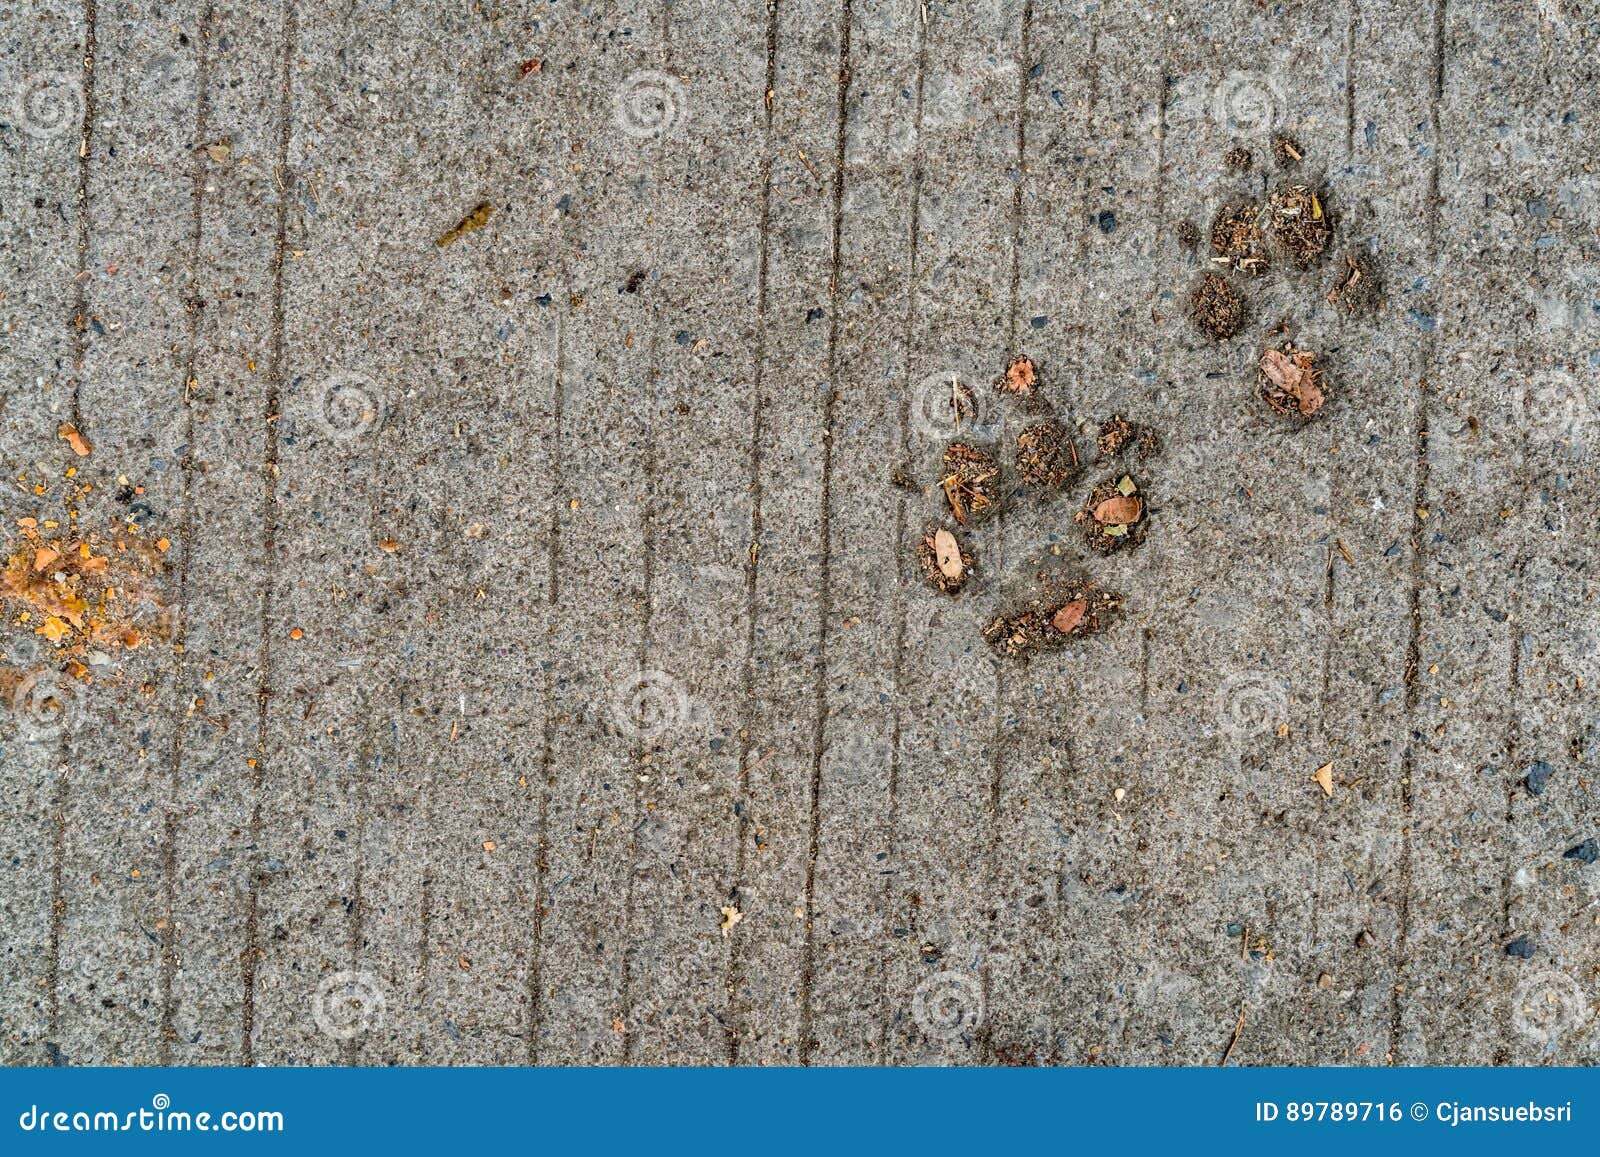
point(539, 668)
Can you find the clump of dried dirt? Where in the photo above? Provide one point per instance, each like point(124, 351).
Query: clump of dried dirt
point(1299, 224)
point(1237, 159)
point(1114, 518)
point(1291, 381)
point(1046, 455)
point(1356, 291)
point(971, 482)
point(1118, 434)
point(946, 563)
point(1287, 151)
point(1064, 609)
point(1236, 239)
point(1021, 376)
point(1188, 234)
point(1216, 307)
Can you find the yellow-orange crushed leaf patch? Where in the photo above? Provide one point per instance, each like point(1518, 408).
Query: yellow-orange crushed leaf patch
point(82, 592)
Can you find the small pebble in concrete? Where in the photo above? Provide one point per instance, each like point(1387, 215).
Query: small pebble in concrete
point(1586, 853)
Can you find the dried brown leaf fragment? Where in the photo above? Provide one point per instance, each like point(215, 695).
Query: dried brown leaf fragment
point(1291, 381)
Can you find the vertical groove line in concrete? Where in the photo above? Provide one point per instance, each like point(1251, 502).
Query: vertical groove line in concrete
point(269, 514)
point(366, 756)
point(80, 307)
point(1408, 763)
point(1158, 215)
point(1002, 684)
point(1513, 746)
point(1352, 19)
point(892, 877)
point(646, 640)
point(193, 308)
point(80, 283)
point(58, 901)
point(758, 408)
point(546, 762)
point(808, 960)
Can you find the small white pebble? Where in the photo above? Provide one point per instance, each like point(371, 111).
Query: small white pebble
point(1120, 794)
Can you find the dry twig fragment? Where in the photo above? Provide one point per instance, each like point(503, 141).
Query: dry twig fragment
point(476, 219)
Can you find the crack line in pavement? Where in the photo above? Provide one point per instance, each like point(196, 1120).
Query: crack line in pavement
point(269, 514)
point(1408, 762)
point(825, 579)
point(547, 784)
point(891, 877)
point(193, 307)
point(752, 554)
point(1002, 684)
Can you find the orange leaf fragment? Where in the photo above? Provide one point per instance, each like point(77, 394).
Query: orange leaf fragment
point(1069, 616)
point(54, 629)
point(1020, 375)
point(80, 445)
point(1119, 510)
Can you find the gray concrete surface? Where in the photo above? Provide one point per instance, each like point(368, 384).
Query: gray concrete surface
point(442, 519)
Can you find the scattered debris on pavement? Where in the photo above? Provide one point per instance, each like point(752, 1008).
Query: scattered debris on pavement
point(1299, 224)
point(1236, 240)
point(1046, 456)
point(1217, 308)
point(970, 482)
point(1064, 610)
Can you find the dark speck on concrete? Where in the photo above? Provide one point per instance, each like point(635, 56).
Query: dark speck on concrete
point(1107, 221)
point(1537, 778)
point(1521, 947)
